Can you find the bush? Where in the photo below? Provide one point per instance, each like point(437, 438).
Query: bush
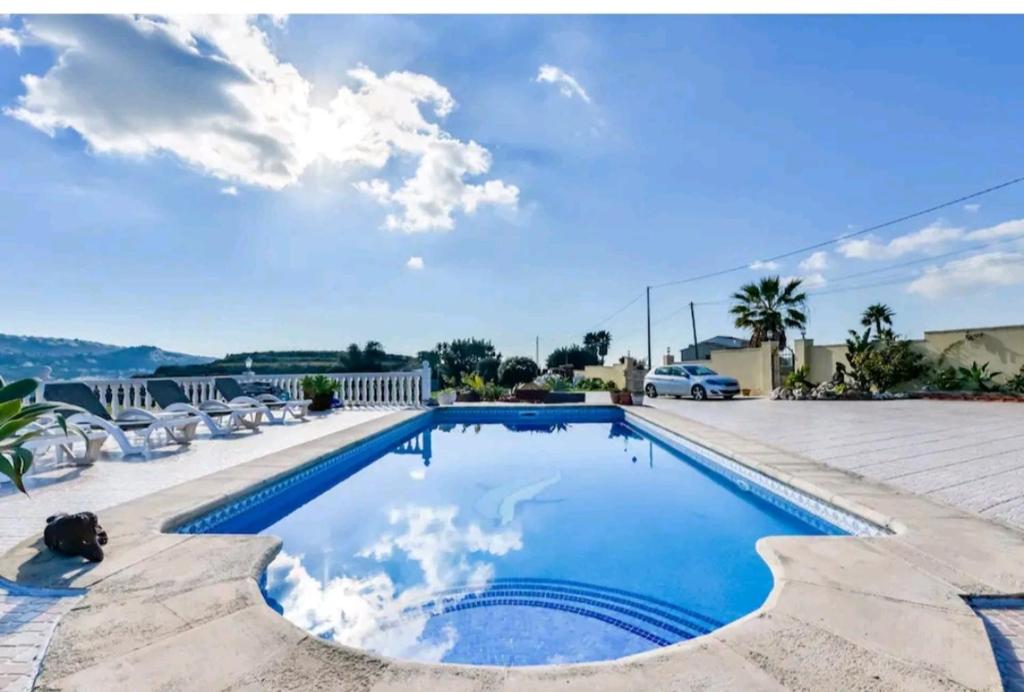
point(1016, 383)
point(575, 355)
point(594, 384)
point(798, 378)
point(488, 368)
point(944, 379)
point(889, 363)
point(978, 377)
point(487, 391)
point(517, 371)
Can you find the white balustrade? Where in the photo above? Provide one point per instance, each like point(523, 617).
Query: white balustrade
point(382, 389)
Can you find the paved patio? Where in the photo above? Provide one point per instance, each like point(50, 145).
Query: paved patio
point(969, 455)
point(28, 617)
point(115, 480)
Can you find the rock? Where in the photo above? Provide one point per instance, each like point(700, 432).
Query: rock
point(776, 394)
point(800, 394)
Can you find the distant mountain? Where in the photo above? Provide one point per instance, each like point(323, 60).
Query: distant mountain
point(27, 356)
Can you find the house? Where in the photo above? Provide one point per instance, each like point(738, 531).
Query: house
point(713, 344)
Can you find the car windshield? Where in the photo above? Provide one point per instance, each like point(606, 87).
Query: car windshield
point(699, 370)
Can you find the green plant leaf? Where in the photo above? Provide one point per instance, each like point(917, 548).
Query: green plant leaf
point(18, 390)
point(7, 467)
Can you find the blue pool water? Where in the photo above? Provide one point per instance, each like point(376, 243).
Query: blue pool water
point(516, 541)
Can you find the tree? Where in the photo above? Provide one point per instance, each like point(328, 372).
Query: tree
point(767, 308)
point(461, 356)
point(599, 342)
point(877, 315)
point(367, 359)
point(487, 368)
point(575, 355)
point(518, 370)
point(858, 347)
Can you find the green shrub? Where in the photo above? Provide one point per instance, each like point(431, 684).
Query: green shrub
point(317, 385)
point(1016, 383)
point(798, 378)
point(978, 378)
point(487, 391)
point(944, 378)
point(461, 356)
point(890, 363)
point(19, 423)
point(593, 384)
point(517, 370)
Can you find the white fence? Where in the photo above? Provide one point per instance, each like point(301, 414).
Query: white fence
point(386, 389)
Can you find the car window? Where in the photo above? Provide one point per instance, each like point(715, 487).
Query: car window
point(678, 372)
point(662, 371)
point(700, 370)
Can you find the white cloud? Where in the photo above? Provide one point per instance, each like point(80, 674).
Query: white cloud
point(1007, 229)
point(211, 91)
point(816, 262)
point(565, 82)
point(808, 281)
point(415, 263)
point(986, 269)
point(229, 190)
point(8, 37)
point(971, 208)
point(764, 266)
point(927, 239)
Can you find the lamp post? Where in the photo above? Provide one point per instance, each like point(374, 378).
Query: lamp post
point(248, 367)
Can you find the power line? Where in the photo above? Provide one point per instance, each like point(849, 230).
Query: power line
point(847, 236)
point(620, 310)
point(855, 275)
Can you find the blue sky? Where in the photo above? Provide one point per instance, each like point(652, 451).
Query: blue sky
point(543, 169)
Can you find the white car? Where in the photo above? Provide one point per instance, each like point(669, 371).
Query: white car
point(689, 380)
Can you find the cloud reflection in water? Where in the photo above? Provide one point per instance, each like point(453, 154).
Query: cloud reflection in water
point(369, 612)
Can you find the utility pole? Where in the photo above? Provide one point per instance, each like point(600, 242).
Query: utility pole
point(693, 321)
point(650, 362)
point(536, 351)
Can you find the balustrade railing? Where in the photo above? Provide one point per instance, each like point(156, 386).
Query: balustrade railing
point(377, 389)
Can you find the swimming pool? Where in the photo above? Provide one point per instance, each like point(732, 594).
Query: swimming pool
point(521, 536)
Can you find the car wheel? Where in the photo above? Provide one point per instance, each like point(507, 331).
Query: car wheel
point(651, 391)
point(699, 393)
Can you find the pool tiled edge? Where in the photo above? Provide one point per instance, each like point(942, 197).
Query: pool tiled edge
point(894, 617)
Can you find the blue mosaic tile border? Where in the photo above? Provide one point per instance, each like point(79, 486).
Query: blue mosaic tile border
point(362, 451)
point(684, 630)
point(615, 622)
point(820, 514)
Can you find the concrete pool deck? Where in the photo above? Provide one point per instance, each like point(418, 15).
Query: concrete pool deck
point(169, 611)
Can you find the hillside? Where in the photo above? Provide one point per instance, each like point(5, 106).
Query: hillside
point(287, 362)
point(27, 356)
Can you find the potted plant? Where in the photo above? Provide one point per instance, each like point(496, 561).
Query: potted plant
point(622, 397)
point(320, 389)
point(446, 397)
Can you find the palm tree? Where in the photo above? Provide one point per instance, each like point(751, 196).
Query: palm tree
point(599, 342)
point(875, 316)
point(767, 308)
